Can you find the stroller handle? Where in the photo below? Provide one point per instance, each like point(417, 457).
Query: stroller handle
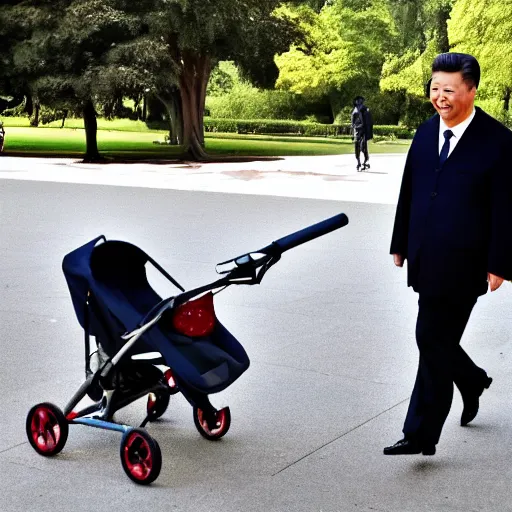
point(270, 254)
point(311, 232)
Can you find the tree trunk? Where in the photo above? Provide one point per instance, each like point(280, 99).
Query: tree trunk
point(443, 15)
point(336, 104)
point(91, 129)
point(29, 105)
point(172, 104)
point(193, 82)
point(35, 120)
point(506, 99)
point(176, 118)
point(144, 107)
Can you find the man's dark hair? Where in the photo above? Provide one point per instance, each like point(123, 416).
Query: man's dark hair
point(459, 62)
point(357, 99)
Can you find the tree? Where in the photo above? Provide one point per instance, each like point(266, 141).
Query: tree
point(12, 85)
point(342, 52)
point(485, 31)
point(89, 53)
point(60, 53)
point(410, 23)
point(423, 25)
point(138, 69)
point(199, 34)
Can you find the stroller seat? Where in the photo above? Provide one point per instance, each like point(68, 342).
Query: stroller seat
point(111, 278)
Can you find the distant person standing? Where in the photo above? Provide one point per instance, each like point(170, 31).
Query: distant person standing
point(362, 130)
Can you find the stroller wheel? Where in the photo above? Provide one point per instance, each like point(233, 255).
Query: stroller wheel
point(157, 404)
point(223, 423)
point(141, 457)
point(47, 429)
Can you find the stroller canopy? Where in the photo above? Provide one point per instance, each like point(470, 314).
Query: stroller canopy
point(114, 273)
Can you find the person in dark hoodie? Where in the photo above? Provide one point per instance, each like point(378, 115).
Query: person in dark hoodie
point(362, 131)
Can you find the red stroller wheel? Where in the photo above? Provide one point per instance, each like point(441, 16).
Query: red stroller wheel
point(140, 456)
point(223, 423)
point(158, 401)
point(157, 404)
point(47, 429)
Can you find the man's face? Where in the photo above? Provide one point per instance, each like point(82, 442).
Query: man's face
point(452, 97)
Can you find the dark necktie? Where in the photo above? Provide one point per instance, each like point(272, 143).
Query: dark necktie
point(448, 134)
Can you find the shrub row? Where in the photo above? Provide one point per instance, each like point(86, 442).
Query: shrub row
point(304, 128)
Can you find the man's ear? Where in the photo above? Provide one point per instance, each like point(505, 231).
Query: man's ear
point(427, 88)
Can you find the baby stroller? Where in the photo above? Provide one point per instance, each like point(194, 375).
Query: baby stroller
point(115, 303)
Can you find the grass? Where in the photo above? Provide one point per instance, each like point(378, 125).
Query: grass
point(124, 139)
point(125, 125)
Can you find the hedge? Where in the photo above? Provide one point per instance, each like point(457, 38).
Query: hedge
point(304, 128)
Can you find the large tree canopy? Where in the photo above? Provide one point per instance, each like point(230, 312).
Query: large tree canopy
point(423, 26)
point(92, 52)
point(342, 52)
point(200, 33)
point(60, 52)
point(485, 30)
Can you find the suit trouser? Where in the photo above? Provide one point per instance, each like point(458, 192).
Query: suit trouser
point(439, 328)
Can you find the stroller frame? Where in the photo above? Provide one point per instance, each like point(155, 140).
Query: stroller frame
point(47, 426)
point(109, 403)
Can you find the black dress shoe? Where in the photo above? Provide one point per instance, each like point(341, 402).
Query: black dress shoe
point(409, 447)
point(471, 402)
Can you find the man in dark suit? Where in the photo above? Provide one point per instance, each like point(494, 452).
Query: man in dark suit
point(453, 226)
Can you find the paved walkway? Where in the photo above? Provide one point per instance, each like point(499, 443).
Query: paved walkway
point(319, 177)
point(330, 334)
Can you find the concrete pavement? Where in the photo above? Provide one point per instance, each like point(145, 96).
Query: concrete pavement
point(318, 177)
point(330, 333)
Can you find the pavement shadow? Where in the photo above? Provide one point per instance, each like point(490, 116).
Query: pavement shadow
point(429, 466)
point(172, 161)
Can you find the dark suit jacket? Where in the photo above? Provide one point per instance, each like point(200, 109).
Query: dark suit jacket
point(454, 224)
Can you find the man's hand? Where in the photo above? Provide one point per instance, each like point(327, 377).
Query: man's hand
point(494, 281)
point(398, 259)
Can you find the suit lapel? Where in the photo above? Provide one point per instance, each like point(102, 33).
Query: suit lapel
point(430, 146)
point(468, 138)
point(434, 139)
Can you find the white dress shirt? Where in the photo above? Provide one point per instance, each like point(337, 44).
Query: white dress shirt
point(457, 130)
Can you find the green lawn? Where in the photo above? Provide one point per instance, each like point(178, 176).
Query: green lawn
point(120, 139)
